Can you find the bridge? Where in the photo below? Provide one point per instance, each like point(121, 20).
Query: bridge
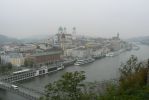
point(6, 82)
point(30, 94)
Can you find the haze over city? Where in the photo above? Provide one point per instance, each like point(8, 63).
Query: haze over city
point(103, 18)
point(74, 49)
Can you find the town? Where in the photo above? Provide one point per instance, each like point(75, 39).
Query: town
point(22, 61)
point(74, 50)
point(57, 52)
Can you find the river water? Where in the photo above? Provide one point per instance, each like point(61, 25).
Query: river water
point(103, 69)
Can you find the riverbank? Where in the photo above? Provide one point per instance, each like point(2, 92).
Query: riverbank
point(103, 69)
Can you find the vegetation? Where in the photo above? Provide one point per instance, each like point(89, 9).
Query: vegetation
point(133, 74)
point(28, 63)
point(132, 85)
point(68, 87)
point(5, 68)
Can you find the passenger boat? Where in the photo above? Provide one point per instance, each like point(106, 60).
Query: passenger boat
point(21, 71)
point(60, 67)
point(136, 48)
point(98, 56)
point(111, 54)
point(84, 61)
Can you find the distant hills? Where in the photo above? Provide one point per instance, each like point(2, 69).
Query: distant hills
point(35, 38)
point(5, 39)
point(144, 40)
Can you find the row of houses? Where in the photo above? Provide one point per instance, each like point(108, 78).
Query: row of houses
point(16, 59)
point(63, 45)
point(38, 56)
point(95, 47)
point(82, 52)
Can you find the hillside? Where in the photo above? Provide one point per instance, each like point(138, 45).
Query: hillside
point(144, 40)
point(4, 39)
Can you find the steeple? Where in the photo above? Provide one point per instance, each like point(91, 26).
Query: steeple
point(118, 35)
point(60, 30)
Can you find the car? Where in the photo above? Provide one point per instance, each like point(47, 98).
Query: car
point(14, 87)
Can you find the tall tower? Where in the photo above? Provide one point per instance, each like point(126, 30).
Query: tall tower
point(63, 41)
point(118, 35)
point(65, 30)
point(74, 33)
point(60, 30)
point(74, 30)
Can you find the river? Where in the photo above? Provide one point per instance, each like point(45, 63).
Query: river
point(102, 69)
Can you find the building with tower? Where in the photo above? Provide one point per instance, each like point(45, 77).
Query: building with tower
point(62, 39)
point(116, 37)
point(74, 33)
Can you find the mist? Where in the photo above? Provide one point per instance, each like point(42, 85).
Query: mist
point(103, 18)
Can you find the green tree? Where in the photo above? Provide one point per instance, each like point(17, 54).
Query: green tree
point(131, 86)
point(28, 63)
point(0, 61)
point(67, 88)
point(5, 68)
point(133, 74)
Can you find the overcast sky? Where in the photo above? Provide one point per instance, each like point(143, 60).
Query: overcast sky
point(103, 18)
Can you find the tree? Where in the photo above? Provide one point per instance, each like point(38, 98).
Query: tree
point(0, 60)
point(28, 62)
point(4, 68)
point(9, 66)
point(131, 86)
point(67, 88)
point(132, 74)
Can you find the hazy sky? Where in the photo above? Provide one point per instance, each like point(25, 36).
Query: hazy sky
point(103, 18)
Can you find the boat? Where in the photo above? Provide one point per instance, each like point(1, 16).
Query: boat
point(98, 56)
point(115, 53)
point(84, 61)
point(68, 62)
point(136, 48)
point(60, 67)
point(111, 54)
point(21, 71)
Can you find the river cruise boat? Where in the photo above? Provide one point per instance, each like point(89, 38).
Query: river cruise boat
point(136, 48)
point(60, 67)
point(21, 71)
point(116, 53)
point(111, 54)
point(84, 61)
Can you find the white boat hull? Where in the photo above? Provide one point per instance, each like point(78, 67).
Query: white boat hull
point(84, 61)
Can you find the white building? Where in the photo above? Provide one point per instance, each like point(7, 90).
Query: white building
point(97, 52)
point(45, 46)
point(27, 47)
point(66, 39)
point(16, 59)
point(63, 39)
point(81, 52)
point(10, 48)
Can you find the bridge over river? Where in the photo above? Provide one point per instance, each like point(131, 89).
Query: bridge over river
point(8, 81)
point(28, 93)
point(103, 69)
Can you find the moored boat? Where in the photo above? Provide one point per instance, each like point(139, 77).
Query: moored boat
point(111, 54)
point(60, 67)
point(84, 61)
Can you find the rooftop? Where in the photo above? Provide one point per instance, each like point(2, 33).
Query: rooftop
point(47, 53)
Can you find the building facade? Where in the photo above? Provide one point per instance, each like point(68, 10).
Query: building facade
point(16, 59)
point(41, 58)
